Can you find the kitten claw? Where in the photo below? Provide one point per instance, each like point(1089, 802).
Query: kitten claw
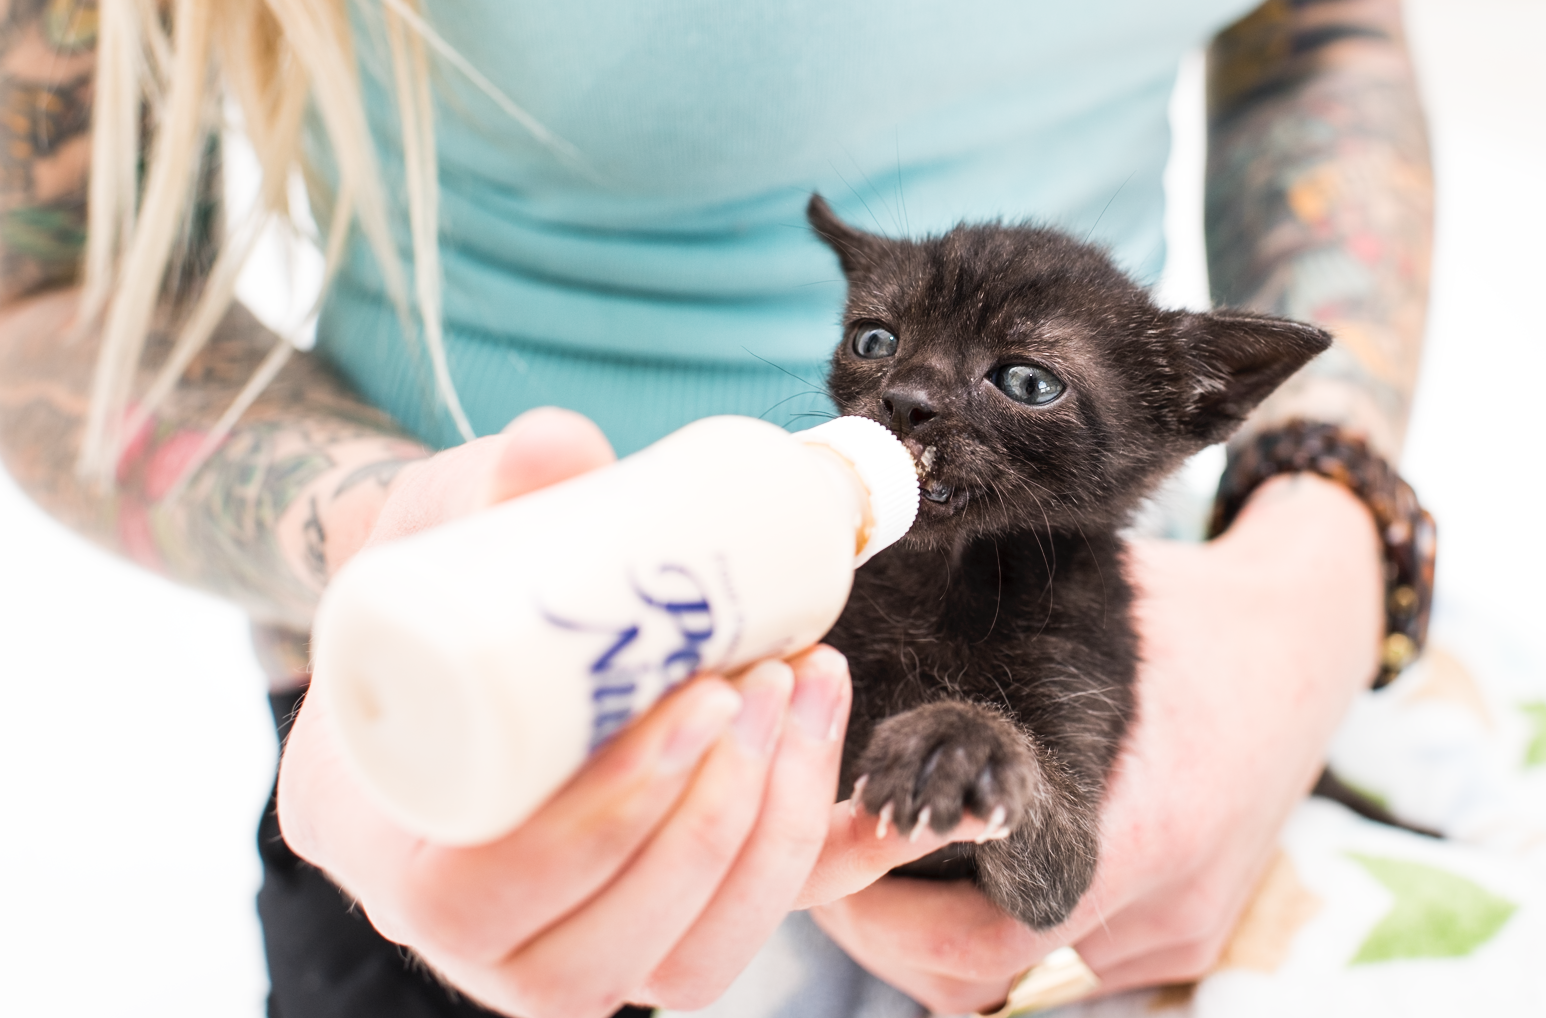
point(853, 800)
point(920, 823)
point(885, 821)
point(996, 830)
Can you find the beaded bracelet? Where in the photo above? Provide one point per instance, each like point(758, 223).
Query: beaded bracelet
point(1408, 536)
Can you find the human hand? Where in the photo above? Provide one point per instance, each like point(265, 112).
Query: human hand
point(538, 448)
point(658, 871)
point(1252, 648)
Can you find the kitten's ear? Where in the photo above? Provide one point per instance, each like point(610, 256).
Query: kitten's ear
point(855, 248)
point(1238, 358)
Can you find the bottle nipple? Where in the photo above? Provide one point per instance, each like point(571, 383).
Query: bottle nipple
point(884, 467)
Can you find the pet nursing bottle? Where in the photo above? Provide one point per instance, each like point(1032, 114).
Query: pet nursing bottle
point(472, 667)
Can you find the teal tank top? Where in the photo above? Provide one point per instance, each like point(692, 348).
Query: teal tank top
point(672, 275)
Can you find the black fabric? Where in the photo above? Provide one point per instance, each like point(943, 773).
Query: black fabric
point(325, 960)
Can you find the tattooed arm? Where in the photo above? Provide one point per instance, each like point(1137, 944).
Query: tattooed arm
point(287, 496)
point(45, 107)
point(1320, 200)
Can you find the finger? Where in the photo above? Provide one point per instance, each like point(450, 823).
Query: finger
point(860, 849)
point(545, 446)
point(941, 942)
point(482, 902)
point(1173, 964)
point(762, 884)
point(668, 884)
point(325, 815)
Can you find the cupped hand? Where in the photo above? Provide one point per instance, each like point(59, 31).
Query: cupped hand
point(1253, 646)
point(657, 872)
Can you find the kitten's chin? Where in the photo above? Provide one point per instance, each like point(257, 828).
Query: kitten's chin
point(939, 519)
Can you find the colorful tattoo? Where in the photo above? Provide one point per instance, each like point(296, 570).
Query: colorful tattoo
point(380, 474)
point(46, 64)
point(249, 522)
point(1319, 199)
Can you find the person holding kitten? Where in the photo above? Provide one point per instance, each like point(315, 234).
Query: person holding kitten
point(602, 211)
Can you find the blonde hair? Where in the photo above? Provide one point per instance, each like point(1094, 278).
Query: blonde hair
point(276, 58)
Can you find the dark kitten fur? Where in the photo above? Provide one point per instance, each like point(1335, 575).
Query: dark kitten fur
point(1045, 395)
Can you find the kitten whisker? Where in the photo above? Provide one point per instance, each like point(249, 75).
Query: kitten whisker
point(1099, 573)
point(1102, 693)
point(780, 367)
point(786, 399)
point(873, 190)
point(998, 592)
point(1049, 562)
point(873, 217)
point(1004, 696)
point(877, 606)
point(1103, 211)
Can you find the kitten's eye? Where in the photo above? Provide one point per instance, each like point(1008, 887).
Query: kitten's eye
point(874, 343)
point(1026, 383)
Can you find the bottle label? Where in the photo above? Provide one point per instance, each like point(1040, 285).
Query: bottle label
point(656, 641)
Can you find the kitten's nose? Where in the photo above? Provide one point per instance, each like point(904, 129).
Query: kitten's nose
point(908, 409)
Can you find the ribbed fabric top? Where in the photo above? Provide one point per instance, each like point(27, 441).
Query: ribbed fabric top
point(672, 275)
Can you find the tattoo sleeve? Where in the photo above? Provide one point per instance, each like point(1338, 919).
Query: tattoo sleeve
point(260, 521)
point(46, 60)
point(1319, 200)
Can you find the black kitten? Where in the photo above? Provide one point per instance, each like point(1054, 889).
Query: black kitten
point(1044, 395)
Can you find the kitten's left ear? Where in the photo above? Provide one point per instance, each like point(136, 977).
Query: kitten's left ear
point(855, 248)
point(1238, 359)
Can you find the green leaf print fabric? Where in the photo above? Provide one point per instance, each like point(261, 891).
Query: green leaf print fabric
point(1535, 753)
point(1436, 913)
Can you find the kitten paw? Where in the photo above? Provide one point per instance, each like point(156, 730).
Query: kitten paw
point(934, 764)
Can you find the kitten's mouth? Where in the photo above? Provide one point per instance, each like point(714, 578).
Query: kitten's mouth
point(941, 493)
point(941, 500)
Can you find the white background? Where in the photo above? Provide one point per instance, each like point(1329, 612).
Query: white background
point(137, 749)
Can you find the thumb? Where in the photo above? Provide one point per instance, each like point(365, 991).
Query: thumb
point(538, 448)
point(542, 447)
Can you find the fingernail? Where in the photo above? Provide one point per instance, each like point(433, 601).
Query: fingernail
point(764, 696)
point(704, 723)
point(819, 694)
